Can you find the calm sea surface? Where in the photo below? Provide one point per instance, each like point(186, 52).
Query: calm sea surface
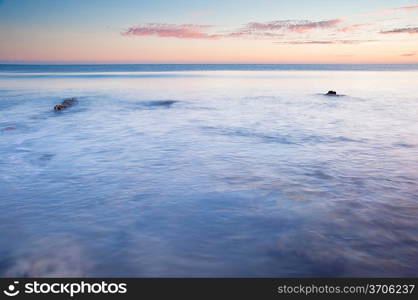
point(209, 170)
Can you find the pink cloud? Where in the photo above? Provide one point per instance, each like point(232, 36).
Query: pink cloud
point(396, 9)
point(353, 27)
point(255, 30)
point(408, 54)
point(245, 33)
point(410, 30)
point(183, 31)
point(315, 25)
point(293, 25)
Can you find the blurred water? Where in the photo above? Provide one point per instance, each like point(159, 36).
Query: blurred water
point(209, 173)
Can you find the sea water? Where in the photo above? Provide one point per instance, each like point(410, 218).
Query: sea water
point(209, 170)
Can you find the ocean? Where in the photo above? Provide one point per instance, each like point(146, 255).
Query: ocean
point(209, 171)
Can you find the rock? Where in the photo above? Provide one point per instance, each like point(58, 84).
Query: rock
point(331, 93)
point(60, 107)
point(162, 103)
point(9, 128)
point(65, 104)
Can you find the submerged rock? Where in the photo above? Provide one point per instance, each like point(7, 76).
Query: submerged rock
point(9, 128)
point(65, 104)
point(331, 93)
point(162, 103)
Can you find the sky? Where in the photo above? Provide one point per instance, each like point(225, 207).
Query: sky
point(227, 31)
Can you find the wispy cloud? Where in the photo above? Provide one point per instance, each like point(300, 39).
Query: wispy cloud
point(279, 28)
point(327, 42)
point(292, 25)
point(354, 27)
point(408, 54)
point(410, 30)
point(396, 9)
point(255, 30)
point(248, 34)
point(182, 31)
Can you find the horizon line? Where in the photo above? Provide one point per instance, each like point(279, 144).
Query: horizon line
point(223, 63)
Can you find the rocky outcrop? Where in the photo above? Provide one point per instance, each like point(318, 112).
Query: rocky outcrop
point(65, 104)
point(331, 93)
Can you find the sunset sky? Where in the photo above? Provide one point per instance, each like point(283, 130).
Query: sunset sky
point(227, 31)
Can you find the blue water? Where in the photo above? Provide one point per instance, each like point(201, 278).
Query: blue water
point(207, 170)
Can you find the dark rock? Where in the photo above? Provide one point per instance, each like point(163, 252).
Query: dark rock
point(60, 107)
point(331, 93)
point(65, 104)
point(9, 128)
point(162, 103)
